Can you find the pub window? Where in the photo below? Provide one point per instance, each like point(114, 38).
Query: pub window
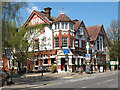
point(45, 61)
point(36, 62)
point(62, 25)
point(57, 42)
point(36, 44)
point(64, 41)
point(66, 25)
point(71, 42)
point(55, 26)
point(58, 25)
point(97, 43)
point(83, 44)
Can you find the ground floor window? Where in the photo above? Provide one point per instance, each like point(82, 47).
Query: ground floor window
point(45, 61)
point(36, 62)
point(52, 60)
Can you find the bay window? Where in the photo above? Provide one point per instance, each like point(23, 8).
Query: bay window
point(66, 25)
point(58, 25)
point(62, 25)
point(71, 42)
point(64, 41)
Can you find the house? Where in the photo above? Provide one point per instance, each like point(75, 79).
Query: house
point(100, 43)
point(61, 38)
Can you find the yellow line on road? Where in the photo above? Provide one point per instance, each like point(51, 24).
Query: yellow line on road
point(68, 77)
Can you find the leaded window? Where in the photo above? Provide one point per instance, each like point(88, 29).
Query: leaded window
point(64, 41)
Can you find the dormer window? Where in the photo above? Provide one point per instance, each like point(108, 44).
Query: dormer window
point(80, 31)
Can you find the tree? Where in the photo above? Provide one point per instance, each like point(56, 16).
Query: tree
point(113, 35)
point(21, 41)
point(10, 14)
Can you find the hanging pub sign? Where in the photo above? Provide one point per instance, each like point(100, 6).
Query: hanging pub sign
point(8, 53)
point(87, 57)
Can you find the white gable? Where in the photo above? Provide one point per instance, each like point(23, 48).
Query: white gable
point(35, 20)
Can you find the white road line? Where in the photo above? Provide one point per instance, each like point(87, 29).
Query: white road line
point(105, 81)
point(83, 87)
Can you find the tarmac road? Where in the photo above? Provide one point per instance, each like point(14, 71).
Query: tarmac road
point(107, 81)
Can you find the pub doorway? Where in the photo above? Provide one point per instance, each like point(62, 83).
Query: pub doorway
point(62, 63)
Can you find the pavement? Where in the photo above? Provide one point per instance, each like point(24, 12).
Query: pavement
point(34, 80)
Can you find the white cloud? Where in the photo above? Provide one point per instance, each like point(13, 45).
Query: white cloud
point(33, 8)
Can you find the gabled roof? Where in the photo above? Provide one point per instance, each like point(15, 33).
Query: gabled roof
point(41, 15)
point(93, 31)
point(62, 18)
point(78, 24)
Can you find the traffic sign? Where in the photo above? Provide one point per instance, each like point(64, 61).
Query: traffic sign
point(66, 51)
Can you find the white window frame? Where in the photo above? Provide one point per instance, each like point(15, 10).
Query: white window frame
point(57, 42)
point(66, 43)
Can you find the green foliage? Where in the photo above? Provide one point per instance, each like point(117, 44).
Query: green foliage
point(113, 34)
point(53, 68)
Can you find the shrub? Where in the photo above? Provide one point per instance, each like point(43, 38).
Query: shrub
point(53, 68)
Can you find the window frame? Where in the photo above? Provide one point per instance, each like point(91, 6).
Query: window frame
point(63, 42)
point(71, 42)
point(56, 42)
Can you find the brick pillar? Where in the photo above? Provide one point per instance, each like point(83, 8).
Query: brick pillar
point(60, 39)
point(69, 44)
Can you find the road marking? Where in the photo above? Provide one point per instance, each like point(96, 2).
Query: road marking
point(83, 87)
point(68, 77)
point(105, 81)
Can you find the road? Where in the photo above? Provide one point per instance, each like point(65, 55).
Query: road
point(97, 80)
point(107, 81)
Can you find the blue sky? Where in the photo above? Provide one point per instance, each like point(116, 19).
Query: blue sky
point(92, 13)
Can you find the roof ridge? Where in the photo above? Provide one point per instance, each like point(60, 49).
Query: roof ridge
point(96, 25)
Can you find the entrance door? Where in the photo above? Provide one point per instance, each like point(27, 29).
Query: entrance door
point(62, 63)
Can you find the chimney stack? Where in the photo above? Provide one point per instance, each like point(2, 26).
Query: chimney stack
point(75, 20)
point(47, 12)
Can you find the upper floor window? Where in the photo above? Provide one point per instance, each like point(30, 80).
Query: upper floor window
point(58, 25)
point(57, 42)
point(80, 31)
point(55, 26)
point(66, 25)
point(71, 26)
point(71, 41)
point(64, 41)
point(36, 45)
point(62, 25)
point(83, 44)
point(99, 43)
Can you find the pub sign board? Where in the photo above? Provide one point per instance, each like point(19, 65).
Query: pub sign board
point(8, 53)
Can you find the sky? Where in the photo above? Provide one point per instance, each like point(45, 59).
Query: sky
point(92, 13)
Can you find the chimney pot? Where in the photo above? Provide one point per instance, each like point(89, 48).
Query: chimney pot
point(47, 12)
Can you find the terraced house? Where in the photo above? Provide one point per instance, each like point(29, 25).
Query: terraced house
point(63, 37)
